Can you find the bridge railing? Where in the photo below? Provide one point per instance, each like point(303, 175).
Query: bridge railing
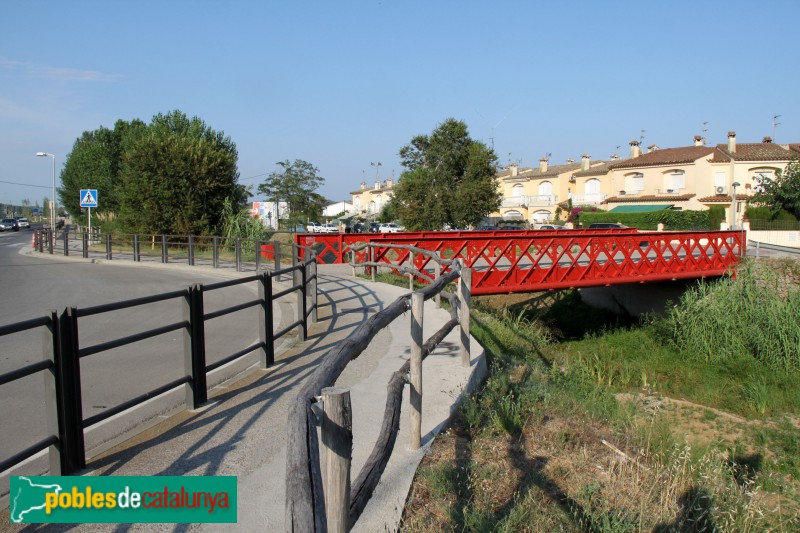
point(544, 260)
point(313, 462)
point(65, 354)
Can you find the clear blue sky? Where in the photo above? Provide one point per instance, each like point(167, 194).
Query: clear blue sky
point(344, 84)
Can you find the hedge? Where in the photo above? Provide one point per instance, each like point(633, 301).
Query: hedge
point(649, 220)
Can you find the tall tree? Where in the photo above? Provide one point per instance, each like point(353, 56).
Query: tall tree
point(176, 176)
point(296, 184)
point(783, 192)
point(94, 163)
point(449, 179)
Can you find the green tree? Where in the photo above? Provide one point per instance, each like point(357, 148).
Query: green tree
point(176, 175)
point(94, 163)
point(449, 180)
point(781, 193)
point(296, 184)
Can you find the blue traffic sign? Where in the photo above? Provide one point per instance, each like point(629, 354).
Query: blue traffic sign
point(88, 197)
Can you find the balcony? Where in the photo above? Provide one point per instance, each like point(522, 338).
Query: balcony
point(591, 198)
point(541, 200)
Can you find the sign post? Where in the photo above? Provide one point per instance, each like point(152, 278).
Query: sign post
point(89, 200)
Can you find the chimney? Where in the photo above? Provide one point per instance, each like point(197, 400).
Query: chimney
point(363, 185)
point(652, 148)
point(377, 184)
point(389, 182)
point(767, 140)
point(635, 150)
point(698, 140)
point(586, 162)
point(570, 160)
point(513, 169)
point(614, 157)
point(732, 142)
point(543, 164)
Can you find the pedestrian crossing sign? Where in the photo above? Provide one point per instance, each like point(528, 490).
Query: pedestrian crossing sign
point(88, 197)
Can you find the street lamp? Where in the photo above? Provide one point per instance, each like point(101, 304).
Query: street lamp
point(53, 206)
point(733, 204)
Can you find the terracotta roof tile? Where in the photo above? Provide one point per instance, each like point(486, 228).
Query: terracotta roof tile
point(666, 156)
point(634, 199)
point(599, 170)
point(753, 152)
point(724, 198)
point(536, 173)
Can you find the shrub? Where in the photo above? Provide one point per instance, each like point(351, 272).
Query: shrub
point(672, 220)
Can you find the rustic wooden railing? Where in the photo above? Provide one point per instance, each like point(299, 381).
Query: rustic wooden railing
point(319, 495)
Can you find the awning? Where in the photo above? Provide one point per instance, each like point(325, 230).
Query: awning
point(640, 208)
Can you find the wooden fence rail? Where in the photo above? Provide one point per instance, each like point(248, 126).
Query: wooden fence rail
point(305, 495)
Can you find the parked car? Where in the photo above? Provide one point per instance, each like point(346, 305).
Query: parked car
point(552, 226)
point(23, 222)
point(511, 228)
point(486, 228)
point(389, 227)
point(327, 228)
point(374, 227)
point(10, 224)
point(313, 227)
point(607, 225)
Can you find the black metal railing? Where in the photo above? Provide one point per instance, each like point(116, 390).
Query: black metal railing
point(194, 250)
point(62, 363)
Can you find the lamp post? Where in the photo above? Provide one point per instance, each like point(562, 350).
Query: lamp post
point(733, 204)
point(53, 205)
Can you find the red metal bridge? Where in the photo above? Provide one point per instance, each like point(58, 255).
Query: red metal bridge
point(527, 261)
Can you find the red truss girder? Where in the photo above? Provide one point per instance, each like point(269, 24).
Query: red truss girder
point(505, 262)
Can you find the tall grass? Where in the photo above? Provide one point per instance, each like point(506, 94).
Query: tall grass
point(754, 315)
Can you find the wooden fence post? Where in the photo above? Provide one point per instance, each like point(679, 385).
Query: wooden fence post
point(336, 454)
point(411, 274)
point(372, 260)
point(298, 280)
point(417, 312)
point(437, 271)
point(464, 287)
point(313, 289)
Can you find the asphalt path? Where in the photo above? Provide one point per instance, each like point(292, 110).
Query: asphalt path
point(31, 286)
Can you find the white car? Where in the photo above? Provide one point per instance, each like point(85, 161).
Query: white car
point(327, 228)
point(390, 227)
point(23, 222)
point(313, 227)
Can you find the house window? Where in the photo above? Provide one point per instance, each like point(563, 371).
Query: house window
point(674, 181)
point(512, 215)
point(759, 176)
point(545, 188)
point(634, 183)
point(592, 187)
point(371, 208)
point(516, 190)
point(541, 216)
point(357, 204)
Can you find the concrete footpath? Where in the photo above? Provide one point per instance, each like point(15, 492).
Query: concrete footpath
point(242, 431)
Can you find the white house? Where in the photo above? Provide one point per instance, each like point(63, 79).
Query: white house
point(333, 210)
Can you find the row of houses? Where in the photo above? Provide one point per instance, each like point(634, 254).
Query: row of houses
point(691, 177)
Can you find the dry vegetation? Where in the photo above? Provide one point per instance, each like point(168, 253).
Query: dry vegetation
point(613, 433)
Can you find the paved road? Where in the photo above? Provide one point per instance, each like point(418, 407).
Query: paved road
point(30, 286)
